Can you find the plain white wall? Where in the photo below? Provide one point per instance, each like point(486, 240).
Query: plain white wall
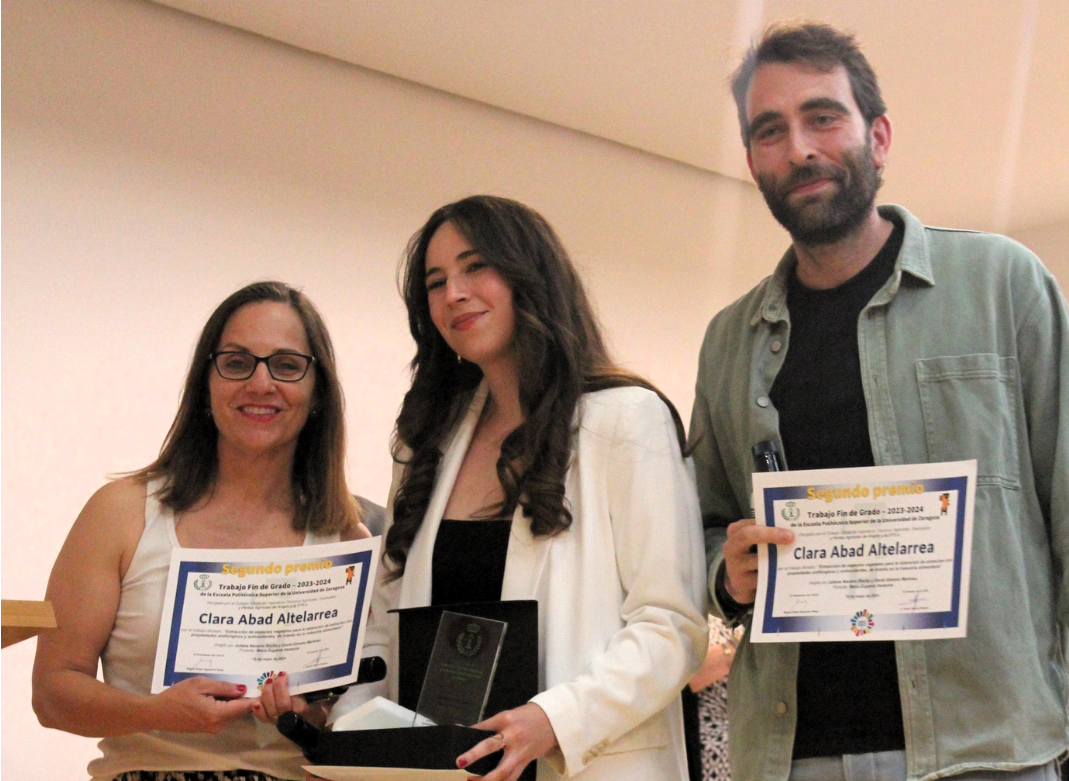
point(1051, 243)
point(154, 162)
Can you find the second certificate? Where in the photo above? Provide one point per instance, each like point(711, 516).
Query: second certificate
point(880, 553)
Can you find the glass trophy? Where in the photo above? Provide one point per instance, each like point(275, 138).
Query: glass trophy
point(461, 670)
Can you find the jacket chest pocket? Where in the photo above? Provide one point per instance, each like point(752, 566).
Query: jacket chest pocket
point(970, 405)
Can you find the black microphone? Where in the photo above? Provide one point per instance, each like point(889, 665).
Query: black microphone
point(371, 669)
point(766, 458)
point(306, 735)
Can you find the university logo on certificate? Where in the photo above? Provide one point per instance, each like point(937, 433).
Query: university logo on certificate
point(880, 553)
point(243, 616)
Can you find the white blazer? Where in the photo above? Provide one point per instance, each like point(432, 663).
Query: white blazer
point(621, 592)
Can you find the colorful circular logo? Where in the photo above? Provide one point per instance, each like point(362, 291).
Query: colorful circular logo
point(862, 623)
point(264, 678)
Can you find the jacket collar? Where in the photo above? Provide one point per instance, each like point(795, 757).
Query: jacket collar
point(527, 555)
point(913, 259)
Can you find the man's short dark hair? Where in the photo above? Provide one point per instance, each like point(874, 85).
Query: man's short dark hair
point(817, 46)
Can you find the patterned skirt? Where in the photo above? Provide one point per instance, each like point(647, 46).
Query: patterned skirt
point(713, 729)
point(713, 712)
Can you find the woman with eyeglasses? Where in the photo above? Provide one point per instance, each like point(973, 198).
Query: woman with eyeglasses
point(529, 466)
point(254, 459)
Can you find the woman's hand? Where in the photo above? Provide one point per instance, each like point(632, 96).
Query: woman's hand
point(717, 665)
point(201, 705)
point(275, 699)
point(525, 734)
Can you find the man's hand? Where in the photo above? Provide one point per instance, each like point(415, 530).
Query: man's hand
point(740, 556)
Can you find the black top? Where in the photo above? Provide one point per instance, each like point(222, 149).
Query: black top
point(848, 698)
point(469, 561)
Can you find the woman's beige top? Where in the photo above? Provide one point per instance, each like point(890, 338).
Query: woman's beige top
point(128, 660)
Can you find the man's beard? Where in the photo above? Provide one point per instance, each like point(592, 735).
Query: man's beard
point(825, 220)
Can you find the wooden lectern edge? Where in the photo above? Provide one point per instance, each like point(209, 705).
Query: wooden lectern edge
point(22, 619)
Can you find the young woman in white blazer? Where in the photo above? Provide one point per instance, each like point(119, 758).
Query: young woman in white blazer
point(517, 417)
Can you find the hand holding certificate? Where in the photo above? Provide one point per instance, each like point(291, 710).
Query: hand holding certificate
point(879, 553)
point(244, 615)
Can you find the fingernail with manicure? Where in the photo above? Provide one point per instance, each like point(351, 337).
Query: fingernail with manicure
point(462, 763)
point(241, 687)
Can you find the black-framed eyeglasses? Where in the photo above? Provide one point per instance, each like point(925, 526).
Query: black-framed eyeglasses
point(240, 365)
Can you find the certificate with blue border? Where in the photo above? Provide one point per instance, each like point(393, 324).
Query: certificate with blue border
point(880, 553)
point(243, 616)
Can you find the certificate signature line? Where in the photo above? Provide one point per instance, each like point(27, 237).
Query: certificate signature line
point(914, 604)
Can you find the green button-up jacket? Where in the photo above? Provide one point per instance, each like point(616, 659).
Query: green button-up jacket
point(964, 354)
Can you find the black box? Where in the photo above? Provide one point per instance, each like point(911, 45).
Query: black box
point(425, 748)
point(437, 748)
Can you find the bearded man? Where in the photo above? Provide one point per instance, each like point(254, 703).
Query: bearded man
point(879, 340)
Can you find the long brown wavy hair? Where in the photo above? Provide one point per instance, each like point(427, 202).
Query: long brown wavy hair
point(188, 462)
point(561, 356)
